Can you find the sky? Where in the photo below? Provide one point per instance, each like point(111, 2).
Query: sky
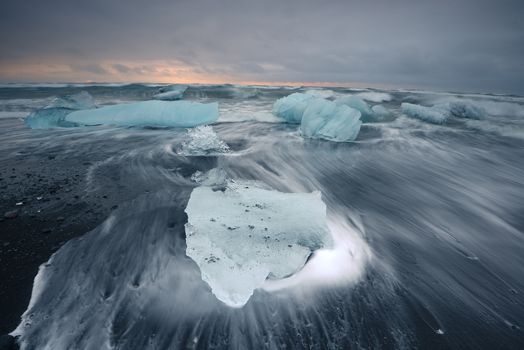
point(459, 45)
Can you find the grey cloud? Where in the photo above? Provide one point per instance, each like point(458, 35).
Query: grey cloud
point(456, 45)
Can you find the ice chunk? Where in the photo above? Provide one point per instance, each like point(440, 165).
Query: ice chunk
point(245, 234)
point(373, 96)
point(203, 141)
point(55, 113)
point(326, 120)
point(429, 114)
point(183, 114)
point(358, 104)
point(171, 92)
point(291, 108)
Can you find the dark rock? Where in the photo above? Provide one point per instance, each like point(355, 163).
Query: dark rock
point(46, 231)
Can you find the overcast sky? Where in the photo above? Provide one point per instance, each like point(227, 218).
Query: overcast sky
point(468, 45)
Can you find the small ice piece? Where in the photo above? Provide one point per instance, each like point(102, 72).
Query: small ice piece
point(53, 115)
point(359, 105)
point(291, 108)
point(216, 178)
point(244, 234)
point(181, 114)
point(171, 92)
point(203, 141)
point(326, 120)
point(428, 114)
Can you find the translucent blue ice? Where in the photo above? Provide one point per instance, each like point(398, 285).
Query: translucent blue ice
point(183, 114)
point(325, 119)
point(246, 233)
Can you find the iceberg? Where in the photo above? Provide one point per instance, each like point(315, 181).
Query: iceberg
point(245, 233)
point(54, 114)
point(203, 141)
point(326, 120)
point(171, 92)
point(292, 107)
point(181, 114)
point(428, 114)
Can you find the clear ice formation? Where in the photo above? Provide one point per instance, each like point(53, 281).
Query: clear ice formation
point(440, 113)
point(181, 114)
point(326, 120)
point(292, 107)
point(320, 118)
point(203, 141)
point(171, 92)
point(243, 234)
point(54, 114)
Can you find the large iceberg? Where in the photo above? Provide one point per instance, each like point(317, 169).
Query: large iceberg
point(243, 234)
point(171, 92)
point(292, 107)
point(54, 114)
point(326, 120)
point(182, 114)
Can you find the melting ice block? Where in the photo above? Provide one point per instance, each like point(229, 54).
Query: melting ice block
point(182, 114)
point(171, 92)
point(244, 234)
point(326, 120)
point(292, 107)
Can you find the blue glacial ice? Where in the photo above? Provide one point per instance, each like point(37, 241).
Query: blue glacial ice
point(440, 113)
point(326, 120)
point(54, 114)
point(247, 233)
point(171, 92)
point(182, 114)
point(292, 107)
